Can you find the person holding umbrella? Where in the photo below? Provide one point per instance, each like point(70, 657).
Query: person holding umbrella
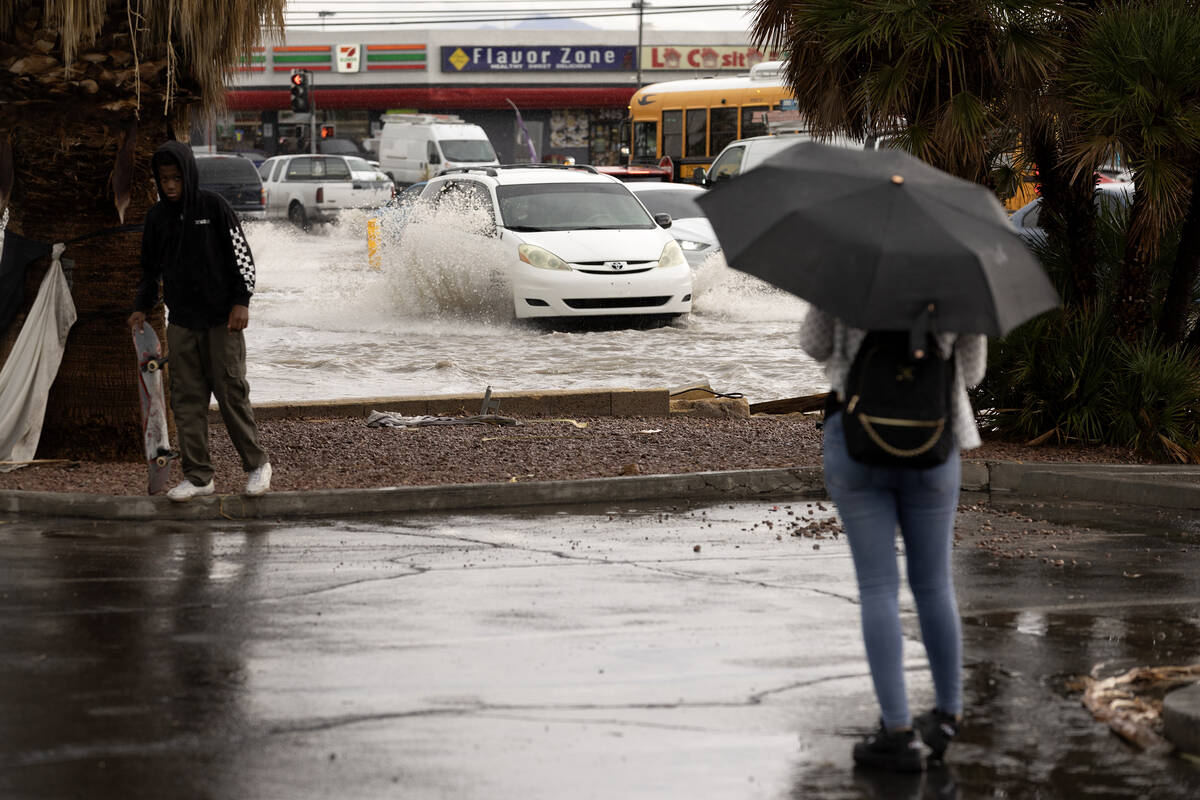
point(912, 267)
point(874, 500)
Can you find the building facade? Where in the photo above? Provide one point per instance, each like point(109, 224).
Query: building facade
point(571, 88)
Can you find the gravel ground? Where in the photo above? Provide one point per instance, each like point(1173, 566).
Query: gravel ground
point(344, 453)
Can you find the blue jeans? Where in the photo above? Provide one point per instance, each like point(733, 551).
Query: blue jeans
point(872, 502)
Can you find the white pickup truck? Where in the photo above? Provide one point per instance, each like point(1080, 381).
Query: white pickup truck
point(307, 189)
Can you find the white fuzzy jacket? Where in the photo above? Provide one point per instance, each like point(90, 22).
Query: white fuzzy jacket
point(828, 340)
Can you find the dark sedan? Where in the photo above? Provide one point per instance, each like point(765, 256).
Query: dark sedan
point(235, 179)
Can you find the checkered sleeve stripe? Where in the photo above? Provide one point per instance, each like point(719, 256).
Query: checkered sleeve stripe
point(245, 262)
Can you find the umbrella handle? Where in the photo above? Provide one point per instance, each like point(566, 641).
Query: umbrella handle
point(926, 323)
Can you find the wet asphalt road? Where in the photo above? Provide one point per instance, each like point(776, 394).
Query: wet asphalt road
point(648, 652)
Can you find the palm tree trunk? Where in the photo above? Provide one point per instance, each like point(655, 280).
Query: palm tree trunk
point(1131, 307)
point(1181, 292)
point(62, 189)
point(1068, 212)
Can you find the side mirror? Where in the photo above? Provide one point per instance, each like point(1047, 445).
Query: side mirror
point(700, 176)
point(434, 158)
point(662, 220)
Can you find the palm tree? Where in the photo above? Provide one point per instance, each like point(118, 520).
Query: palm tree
point(955, 83)
point(1136, 88)
point(88, 89)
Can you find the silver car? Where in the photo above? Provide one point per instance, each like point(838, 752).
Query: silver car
point(1026, 220)
point(689, 226)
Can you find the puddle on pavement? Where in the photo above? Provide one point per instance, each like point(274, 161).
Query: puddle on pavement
point(1048, 594)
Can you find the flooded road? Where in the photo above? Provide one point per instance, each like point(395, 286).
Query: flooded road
point(324, 326)
point(699, 651)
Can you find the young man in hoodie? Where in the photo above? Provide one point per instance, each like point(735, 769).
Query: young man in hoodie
point(193, 243)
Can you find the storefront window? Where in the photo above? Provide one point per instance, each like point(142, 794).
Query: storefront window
point(604, 137)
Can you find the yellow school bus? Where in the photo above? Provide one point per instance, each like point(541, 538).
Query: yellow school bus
point(690, 121)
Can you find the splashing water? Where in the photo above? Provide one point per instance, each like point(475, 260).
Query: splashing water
point(438, 319)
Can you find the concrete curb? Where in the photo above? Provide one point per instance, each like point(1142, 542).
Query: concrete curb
point(804, 482)
point(561, 403)
point(1176, 488)
point(1162, 486)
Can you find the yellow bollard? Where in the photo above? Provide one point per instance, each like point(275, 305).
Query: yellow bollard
point(373, 258)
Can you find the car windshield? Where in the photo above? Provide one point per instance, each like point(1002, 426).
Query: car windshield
point(468, 150)
point(359, 164)
point(233, 169)
point(570, 206)
point(679, 203)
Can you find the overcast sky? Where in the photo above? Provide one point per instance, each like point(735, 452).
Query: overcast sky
point(607, 14)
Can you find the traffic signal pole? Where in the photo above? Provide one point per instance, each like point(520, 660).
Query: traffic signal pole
point(312, 122)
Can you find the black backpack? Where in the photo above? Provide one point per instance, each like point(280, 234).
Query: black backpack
point(896, 403)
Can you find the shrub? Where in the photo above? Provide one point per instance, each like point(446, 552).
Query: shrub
point(1154, 400)
point(1049, 378)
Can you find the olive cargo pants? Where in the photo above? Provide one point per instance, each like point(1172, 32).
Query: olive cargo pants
point(203, 364)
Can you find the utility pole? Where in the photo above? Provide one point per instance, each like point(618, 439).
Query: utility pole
point(640, 5)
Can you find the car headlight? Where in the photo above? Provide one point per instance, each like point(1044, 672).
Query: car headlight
point(692, 246)
point(672, 256)
point(541, 258)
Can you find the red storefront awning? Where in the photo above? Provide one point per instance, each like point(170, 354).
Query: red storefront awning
point(438, 98)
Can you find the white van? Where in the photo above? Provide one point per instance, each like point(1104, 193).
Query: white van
point(415, 147)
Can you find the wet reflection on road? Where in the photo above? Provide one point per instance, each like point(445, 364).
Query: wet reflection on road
point(637, 651)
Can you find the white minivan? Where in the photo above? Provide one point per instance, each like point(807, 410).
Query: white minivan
point(416, 147)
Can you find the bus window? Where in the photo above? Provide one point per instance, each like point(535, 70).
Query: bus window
point(752, 121)
point(697, 130)
point(645, 140)
point(672, 137)
point(722, 126)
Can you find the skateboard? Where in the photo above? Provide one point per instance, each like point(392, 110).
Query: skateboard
point(154, 410)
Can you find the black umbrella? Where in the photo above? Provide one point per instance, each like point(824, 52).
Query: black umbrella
point(879, 239)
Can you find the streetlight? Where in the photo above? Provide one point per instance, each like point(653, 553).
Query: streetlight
point(640, 5)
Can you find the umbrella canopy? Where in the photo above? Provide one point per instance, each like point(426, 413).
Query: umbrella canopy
point(877, 238)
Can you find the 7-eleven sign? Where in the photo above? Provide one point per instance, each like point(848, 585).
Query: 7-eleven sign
point(348, 57)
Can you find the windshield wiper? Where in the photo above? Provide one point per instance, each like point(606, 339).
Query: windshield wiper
point(524, 228)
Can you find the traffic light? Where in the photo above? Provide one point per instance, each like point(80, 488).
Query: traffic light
point(300, 100)
point(326, 131)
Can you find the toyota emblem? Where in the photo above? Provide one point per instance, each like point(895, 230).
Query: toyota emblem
point(618, 264)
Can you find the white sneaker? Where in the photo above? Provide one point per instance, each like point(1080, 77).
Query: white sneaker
point(187, 490)
point(259, 481)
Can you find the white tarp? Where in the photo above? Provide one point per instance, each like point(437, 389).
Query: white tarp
point(32, 366)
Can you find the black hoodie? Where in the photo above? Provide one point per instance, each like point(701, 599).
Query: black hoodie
point(196, 247)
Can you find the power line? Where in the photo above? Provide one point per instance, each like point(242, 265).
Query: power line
point(467, 17)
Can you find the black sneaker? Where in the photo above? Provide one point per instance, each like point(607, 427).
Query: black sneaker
point(937, 729)
point(896, 751)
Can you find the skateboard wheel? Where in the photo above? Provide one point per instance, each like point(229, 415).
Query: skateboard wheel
point(151, 366)
point(162, 461)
